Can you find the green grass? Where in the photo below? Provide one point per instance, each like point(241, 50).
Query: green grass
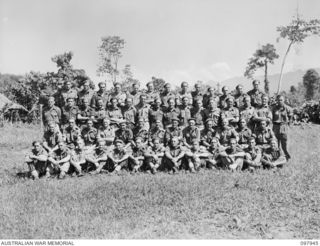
point(209, 204)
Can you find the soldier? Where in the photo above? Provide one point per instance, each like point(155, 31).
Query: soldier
point(117, 94)
point(197, 112)
point(173, 155)
point(155, 112)
point(106, 133)
point(154, 155)
point(118, 158)
point(173, 131)
point(140, 131)
point(170, 112)
point(263, 112)
point(207, 134)
point(196, 94)
point(232, 156)
point(225, 133)
point(124, 134)
point(114, 113)
point(281, 114)
point(184, 93)
point(135, 93)
point(239, 96)
point(230, 113)
point(136, 159)
point(223, 98)
point(59, 160)
point(51, 113)
point(78, 157)
point(273, 156)
point(252, 159)
point(185, 112)
point(244, 134)
point(151, 94)
point(213, 113)
point(247, 112)
point(166, 94)
point(85, 113)
point(190, 133)
point(143, 110)
point(264, 135)
point(156, 132)
point(256, 94)
point(214, 160)
point(99, 157)
point(37, 160)
point(69, 111)
point(209, 96)
point(51, 138)
point(195, 156)
point(100, 113)
point(67, 92)
point(89, 134)
point(129, 113)
point(86, 92)
point(100, 94)
point(71, 133)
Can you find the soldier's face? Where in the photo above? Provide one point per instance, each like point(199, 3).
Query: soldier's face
point(264, 101)
point(256, 85)
point(80, 145)
point(192, 123)
point(211, 91)
point(252, 143)
point(209, 124)
point(212, 104)
point(51, 128)
point(280, 101)
point(51, 102)
point(85, 103)
point(105, 123)
point(242, 123)
point(225, 90)
point(263, 124)
point(197, 87)
point(214, 144)
point(195, 146)
point(86, 86)
point(100, 104)
point(156, 143)
point(175, 123)
point(175, 142)
point(102, 87)
point(185, 101)
point(168, 88)
point(199, 103)
point(233, 144)
point(158, 123)
point(240, 89)
point(123, 126)
point(129, 102)
point(90, 124)
point(70, 102)
point(247, 101)
point(171, 103)
point(143, 99)
point(150, 87)
point(101, 145)
point(230, 103)
point(117, 88)
point(61, 146)
point(71, 123)
point(184, 87)
point(225, 122)
point(114, 102)
point(138, 142)
point(273, 144)
point(158, 103)
point(68, 85)
point(37, 147)
point(119, 146)
point(135, 88)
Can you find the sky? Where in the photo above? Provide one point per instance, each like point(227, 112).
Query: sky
point(177, 40)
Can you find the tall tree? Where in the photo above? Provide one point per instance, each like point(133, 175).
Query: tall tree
point(311, 81)
point(109, 54)
point(296, 32)
point(261, 58)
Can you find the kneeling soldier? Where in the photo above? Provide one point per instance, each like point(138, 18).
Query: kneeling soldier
point(60, 160)
point(37, 160)
point(273, 156)
point(252, 159)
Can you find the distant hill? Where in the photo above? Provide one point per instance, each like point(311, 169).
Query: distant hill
point(288, 79)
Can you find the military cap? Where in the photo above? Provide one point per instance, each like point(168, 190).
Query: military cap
point(175, 118)
point(191, 119)
point(118, 141)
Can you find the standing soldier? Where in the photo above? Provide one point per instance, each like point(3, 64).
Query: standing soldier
point(67, 92)
point(173, 131)
point(230, 113)
point(85, 113)
point(37, 160)
point(86, 92)
point(166, 94)
point(223, 98)
point(155, 113)
point(244, 134)
point(263, 112)
point(69, 111)
point(134, 94)
point(184, 93)
point(101, 93)
point(247, 112)
point(170, 112)
point(51, 113)
point(143, 110)
point(117, 94)
point(196, 94)
point(239, 96)
point(212, 113)
point(151, 94)
point(129, 113)
point(256, 94)
point(281, 114)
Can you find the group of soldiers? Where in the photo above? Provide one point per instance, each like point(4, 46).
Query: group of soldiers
point(90, 131)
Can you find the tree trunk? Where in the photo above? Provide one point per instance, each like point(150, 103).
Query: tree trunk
point(266, 82)
point(282, 66)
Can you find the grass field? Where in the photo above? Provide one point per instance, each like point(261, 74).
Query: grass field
point(209, 204)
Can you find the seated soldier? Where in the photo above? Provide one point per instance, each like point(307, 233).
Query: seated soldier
point(136, 159)
point(71, 133)
point(252, 159)
point(85, 113)
point(232, 156)
point(141, 131)
point(230, 113)
point(106, 133)
point(264, 135)
point(170, 112)
point(100, 113)
point(114, 113)
point(118, 158)
point(89, 134)
point(37, 160)
point(273, 156)
point(207, 134)
point(214, 160)
point(59, 160)
point(225, 133)
point(247, 112)
point(173, 131)
point(156, 132)
point(154, 155)
point(190, 133)
point(173, 155)
point(51, 138)
point(99, 157)
point(263, 113)
point(124, 134)
point(78, 157)
point(244, 133)
point(212, 112)
point(196, 156)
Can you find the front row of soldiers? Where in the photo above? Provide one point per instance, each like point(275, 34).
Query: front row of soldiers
point(112, 150)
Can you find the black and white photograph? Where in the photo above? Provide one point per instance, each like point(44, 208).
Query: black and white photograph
point(159, 119)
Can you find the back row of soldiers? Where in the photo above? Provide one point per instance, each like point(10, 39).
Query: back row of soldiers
point(135, 130)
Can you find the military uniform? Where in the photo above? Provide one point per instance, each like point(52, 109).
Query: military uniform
point(206, 100)
point(71, 135)
point(52, 138)
point(225, 134)
point(89, 136)
point(151, 96)
point(238, 100)
point(125, 135)
point(164, 98)
point(273, 156)
point(142, 133)
point(256, 97)
point(37, 167)
point(212, 114)
point(253, 157)
point(99, 115)
point(156, 133)
point(129, 114)
point(168, 115)
point(154, 115)
point(65, 94)
point(244, 135)
point(85, 95)
point(263, 112)
point(230, 113)
point(52, 114)
point(121, 97)
point(185, 115)
point(143, 113)
point(180, 96)
point(263, 137)
point(206, 136)
point(58, 155)
point(172, 132)
point(233, 162)
point(248, 114)
point(84, 112)
point(190, 134)
point(198, 115)
point(69, 113)
point(99, 95)
point(222, 103)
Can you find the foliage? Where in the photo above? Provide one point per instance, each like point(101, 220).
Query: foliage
point(109, 54)
point(311, 81)
point(296, 32)
point(261, 58)
point(158, 83)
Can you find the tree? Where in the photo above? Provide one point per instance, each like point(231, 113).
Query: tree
point(261, 58)
point(311, 82)
point(109, 54)
point(158, 83)
point(296, 32)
